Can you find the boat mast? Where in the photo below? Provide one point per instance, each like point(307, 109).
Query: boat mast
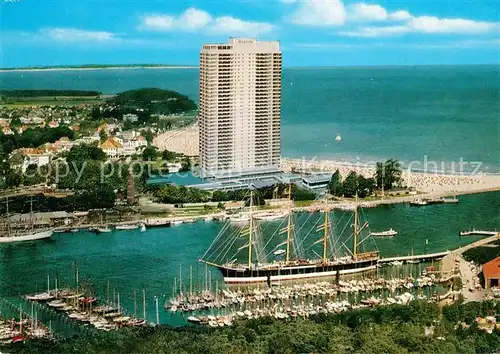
point(8, 217)
point(325, 234)
point(31, 214)
point(355, 248)
point(250, 232)
point(288, 238)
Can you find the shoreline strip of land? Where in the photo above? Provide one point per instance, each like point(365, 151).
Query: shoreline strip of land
point(185, 141)
point(118, 67)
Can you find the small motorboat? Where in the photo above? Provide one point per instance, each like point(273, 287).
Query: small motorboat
point(176, 222)
point(279, 252)
point(338, 138)
point(388, 233)
point(193, 319)
point(102, 230)
point(419, 202)
point(143, 228)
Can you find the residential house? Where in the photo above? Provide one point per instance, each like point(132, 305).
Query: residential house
point(53, 124)
point(112, 148)
point(7, 131)
point(35, 157)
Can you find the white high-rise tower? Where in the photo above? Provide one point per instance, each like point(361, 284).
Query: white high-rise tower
point(240, 108)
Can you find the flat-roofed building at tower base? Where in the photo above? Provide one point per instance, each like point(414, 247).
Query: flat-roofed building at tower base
point(240, 109)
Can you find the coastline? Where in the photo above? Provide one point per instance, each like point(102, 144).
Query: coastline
point(185, 140)
point(99, 68)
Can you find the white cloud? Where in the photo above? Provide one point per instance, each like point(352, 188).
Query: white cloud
point(77, 35)
point(399, 15)
point(231, 25)
point(194, 20)
point(319, 13)
point(190, 20)
point(376, 31)
point(428, 24)
point(158, 22)
point(366, 12)
point(407, 23)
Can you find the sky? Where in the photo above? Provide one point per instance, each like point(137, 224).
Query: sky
point(311, 32)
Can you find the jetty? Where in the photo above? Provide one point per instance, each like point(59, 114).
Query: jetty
point(475, 232)
point(493, 236)
point(417, 257)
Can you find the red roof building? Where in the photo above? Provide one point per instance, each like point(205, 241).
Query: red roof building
point(491, 272)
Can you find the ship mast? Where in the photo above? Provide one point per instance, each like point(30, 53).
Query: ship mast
point(8, 217)
point(355, 248)
point(31, 214)
point(325, 234)
point(289, 229)
point(250, 232)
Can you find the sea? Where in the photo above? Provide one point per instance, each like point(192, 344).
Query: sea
point(433, 113)
point(429, 117)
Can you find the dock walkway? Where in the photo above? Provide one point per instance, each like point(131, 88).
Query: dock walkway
point(494, 237)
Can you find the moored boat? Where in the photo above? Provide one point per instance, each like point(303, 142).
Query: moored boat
point(127, 227)
point(103, 230)
point(334, 261)
point(419, 202)
point(30, 236)
point(388, 233)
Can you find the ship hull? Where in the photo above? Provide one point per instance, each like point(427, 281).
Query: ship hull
point(30, 237)
point(289, 273)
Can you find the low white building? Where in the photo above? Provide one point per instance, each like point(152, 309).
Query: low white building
point(130, 117)
point(112, 148)
point(35, 157)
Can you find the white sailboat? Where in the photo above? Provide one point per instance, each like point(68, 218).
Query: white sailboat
point(31, 234)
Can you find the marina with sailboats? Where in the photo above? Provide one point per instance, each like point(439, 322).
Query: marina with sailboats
point(400, 263)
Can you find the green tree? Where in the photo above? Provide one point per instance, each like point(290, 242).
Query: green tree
point(84, 152)
point(103, 135)
point(335, 184)
point(148, 134)
point(350, 185)
point(168, 155)
point(149, 153)
point(185, 165)
point(13, 179)
point(388, 174)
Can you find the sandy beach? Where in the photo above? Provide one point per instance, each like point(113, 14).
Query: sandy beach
point(185, 141)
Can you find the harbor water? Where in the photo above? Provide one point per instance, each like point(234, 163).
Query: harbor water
point(131, 260)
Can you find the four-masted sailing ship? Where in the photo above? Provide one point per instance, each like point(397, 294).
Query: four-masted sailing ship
point(338, 257)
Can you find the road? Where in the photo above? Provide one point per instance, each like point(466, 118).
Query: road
point(468, 282)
